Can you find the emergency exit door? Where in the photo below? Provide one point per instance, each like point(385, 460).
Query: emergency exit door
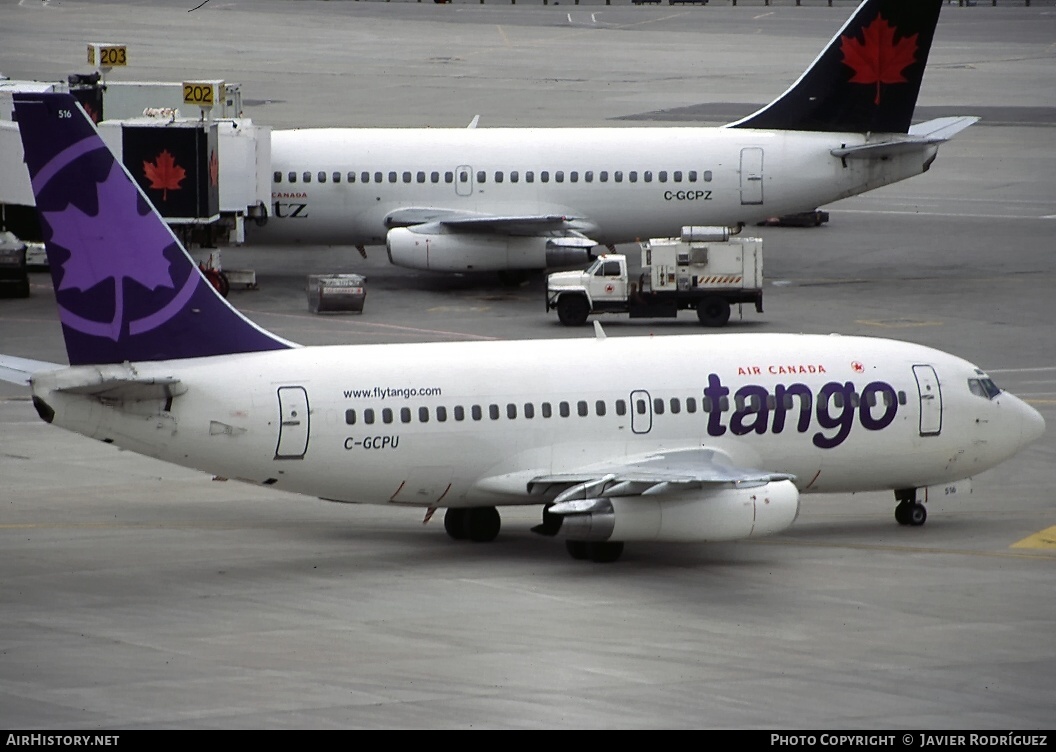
point(752, 175)
point(293, 423)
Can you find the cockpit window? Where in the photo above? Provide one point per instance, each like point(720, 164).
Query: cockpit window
point(983, 387)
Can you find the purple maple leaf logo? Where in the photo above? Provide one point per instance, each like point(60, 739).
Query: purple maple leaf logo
point(116, 243)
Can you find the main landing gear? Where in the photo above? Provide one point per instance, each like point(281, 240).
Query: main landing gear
point(478, 524)
point(909, 511)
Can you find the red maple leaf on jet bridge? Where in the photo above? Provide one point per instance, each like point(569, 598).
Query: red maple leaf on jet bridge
point(878, 58)
point(164, 174)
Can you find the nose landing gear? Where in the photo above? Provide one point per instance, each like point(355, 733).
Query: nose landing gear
point(909, 511)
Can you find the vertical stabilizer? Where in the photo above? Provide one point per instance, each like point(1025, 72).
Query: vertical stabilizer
point(126, 288)
point(866, 79)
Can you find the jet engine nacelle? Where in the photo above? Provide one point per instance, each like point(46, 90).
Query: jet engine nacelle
point(462, 252)
point(720, 515)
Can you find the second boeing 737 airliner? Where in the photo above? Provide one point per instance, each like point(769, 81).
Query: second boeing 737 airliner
point(681, 438)
point(528, 198)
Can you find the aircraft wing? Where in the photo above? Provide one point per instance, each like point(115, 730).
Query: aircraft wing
point(928, 133)
point(431, 220)
point(18, 370)
point(654, 474)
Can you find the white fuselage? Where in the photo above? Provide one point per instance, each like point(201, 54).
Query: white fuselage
point(450, 424)
point(618, 184)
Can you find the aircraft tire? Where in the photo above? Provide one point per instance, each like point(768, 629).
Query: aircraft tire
point(455, 523)
point(578, 550)
point(573, 310)
point(713, 311)
point(605, 552)
point(901, 513)
point(483, 524)
point(916, 514)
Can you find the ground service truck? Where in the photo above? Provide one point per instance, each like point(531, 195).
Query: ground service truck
point(704, 270)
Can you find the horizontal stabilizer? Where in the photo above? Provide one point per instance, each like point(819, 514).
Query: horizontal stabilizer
point(18, 370)
point(920, 136)
point(114, 383)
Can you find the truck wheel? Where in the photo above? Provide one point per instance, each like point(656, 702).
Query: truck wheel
point(573, 310)
point(713, 312)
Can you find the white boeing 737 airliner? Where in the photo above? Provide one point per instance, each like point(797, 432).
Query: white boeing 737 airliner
point(528, 198)
point(684, 438)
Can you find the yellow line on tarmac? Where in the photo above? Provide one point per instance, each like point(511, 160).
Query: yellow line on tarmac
point(1045, 539)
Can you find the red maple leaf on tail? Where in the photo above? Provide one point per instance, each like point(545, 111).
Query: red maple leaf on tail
point(164, 174)
point(878, 59)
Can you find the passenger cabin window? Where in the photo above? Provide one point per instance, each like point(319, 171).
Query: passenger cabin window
point(514, 176)
point(544, 177)
point(307, 176)
point(498, 177)
point(277, 177)
point(529, 177)
point(648, 176)
point(336, 177)
point(632, 176)
point(434, 177)
point(603, 176)
point(481, 176)
point(707, 176)
point(321, 177)
point(406, 176)
point(420, 177)
point(393, 177)
point(678, 176)
point(291, 177)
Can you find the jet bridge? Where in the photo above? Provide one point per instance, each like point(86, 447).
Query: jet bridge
point(209, 167)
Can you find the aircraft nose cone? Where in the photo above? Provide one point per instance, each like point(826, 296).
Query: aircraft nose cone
point(1033, 425)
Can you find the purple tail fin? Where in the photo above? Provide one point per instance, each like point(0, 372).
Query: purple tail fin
point(126, 288)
